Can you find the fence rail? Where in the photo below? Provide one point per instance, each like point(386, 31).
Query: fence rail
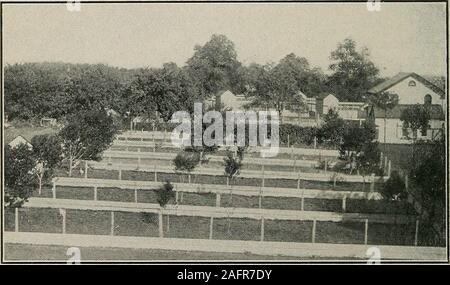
point(218, 189)
point(218, 212)
point(295, 249)
point(246, 173)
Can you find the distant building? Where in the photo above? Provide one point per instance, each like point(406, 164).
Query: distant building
point(19, 140)
point(411, 89)
point(48, 122)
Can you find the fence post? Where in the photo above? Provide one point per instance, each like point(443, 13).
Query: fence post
point(135, 195)
point(263, 175)
point(54, 189)
point(303, 200)
point(112, 223)
point(62, 212)
point(313, 238)
point(385, 162)
point(315, 142)
point(292, 152)
point(211, 226)
point(381, 160)
point(95, 193)
point(160, 224)
point(344, 203)
point(16, 219)
point(260, 197)
point(288, 142)
point(217, 199)
point(372, 182)
point(156, 176)
point(176, 197)
point(120, 173)
point(366, 228)
point(262, 228)
point(389, 168)
point(85, 169)
point(326, 165)
point(416, 235)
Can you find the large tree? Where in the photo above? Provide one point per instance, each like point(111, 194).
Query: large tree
point(165, 90)
point(36, 90)
point(215, 66)
point(353, 72)
point(19, 174)
point(47, 150)
point(86, 135)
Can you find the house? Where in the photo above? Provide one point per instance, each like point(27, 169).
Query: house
point(349, 111)
point(48, 122)
point(411, 89)
point(20, 140)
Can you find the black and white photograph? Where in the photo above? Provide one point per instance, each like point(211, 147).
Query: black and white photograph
point(214, 132)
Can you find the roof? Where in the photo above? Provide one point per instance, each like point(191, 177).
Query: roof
point(400, 77)
point(436, 112)
point(19, 140)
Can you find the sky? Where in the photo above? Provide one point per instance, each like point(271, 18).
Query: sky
point(408, 37)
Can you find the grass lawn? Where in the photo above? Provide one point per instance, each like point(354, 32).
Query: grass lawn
point(26, 252)
point(40, 220)
point(146, 224)
point(342, 232)
point(238, 201)
point(135, 224)
point(88, 222)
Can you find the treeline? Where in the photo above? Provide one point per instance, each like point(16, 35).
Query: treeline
point(36, 90)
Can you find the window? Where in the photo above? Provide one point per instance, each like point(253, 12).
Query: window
point(427, 99)
point(412, 83)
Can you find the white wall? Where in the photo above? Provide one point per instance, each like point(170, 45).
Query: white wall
point(413, 95)
point(394, 130)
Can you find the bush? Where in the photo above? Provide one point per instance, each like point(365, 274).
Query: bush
point(165, 194)
point(297, 135)
point(394, 188)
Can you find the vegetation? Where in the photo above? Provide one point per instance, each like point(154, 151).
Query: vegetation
point(19, 175)
point(86, 135)
point(47, 151)
point(394, 188)
point(415, 117)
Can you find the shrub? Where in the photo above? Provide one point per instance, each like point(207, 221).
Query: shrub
point(394, 188)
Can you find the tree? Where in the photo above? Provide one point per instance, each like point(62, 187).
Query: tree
point(415, 117)
point(215, 66)
point(47, 151)
point(275, 86)
point(333, 127)
point(185, 162)
point(368, 159)
point(427, 172)
point(353, 72)
point(19, 175)
point(162, 91)
point(233, 167)
point(164, 194)
point(355, 137)
point(385, 101)
point(394, 188)
point(86, 135)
